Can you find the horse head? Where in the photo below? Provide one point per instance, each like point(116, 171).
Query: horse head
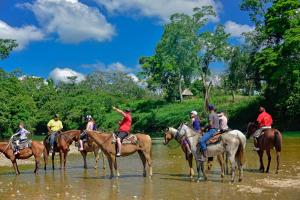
point(169, 134)
point(251, 128)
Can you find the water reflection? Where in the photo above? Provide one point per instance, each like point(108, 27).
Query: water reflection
point(170, 180)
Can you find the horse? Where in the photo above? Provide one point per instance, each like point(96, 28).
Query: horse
point(171, 133)
point(37, 149)
point(91, 146)
point(63, 141)
point(270, 138)
point(143, 147)
point(230, 144)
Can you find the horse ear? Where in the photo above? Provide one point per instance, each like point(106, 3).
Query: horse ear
point(167, 129)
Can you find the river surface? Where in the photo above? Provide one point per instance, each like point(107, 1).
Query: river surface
point(170, 179)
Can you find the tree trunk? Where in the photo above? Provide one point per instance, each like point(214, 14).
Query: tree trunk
point(206, 91)
point(233, 96)
point(180, 89)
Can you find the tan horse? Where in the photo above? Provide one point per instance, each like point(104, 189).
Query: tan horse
point(143, 147)
point(37, 149)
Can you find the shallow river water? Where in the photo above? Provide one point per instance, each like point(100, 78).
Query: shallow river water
point(170, 178)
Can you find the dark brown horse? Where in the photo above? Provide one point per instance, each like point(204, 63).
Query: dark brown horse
point(270, 138)
point(37, 149)
point(143, 147)
point(63, 142)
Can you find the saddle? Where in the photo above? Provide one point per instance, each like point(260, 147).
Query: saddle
point(215, 138)
point(130, 139)
point(23, 144)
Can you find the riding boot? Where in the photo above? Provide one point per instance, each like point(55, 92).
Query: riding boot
point(255, 148)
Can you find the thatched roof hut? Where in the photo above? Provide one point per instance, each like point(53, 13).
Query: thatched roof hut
point(187, 93)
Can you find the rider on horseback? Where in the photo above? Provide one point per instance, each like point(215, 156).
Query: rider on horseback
point(196, 127)
point(90, 126)
point(124, 127)
point(264, 121)
point(213, 127)
point(54, 126)
point(21, 133)
point(223, 122)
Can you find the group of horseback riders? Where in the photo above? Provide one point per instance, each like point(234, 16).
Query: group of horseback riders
point(217, 122)
point(55, 125)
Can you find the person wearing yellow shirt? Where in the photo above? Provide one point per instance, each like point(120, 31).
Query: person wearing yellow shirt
point(54, 126)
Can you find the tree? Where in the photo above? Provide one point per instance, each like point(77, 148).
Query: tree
point(277, 59)
point(176, 56)
point(212, 47)
point(6, 46)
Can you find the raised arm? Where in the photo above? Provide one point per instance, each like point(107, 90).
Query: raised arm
point(119, 111)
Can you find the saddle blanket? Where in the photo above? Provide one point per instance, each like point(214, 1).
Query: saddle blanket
point(22, 144)
point(130, 139)
point(215, 138)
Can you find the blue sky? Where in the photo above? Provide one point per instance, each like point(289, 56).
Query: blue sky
point(85, 35)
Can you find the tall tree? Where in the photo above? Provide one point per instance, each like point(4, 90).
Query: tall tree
point(213, 46)
point(176, 56)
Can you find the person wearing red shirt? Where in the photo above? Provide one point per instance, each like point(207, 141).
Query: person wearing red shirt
point(124, 128)
point(264, 121)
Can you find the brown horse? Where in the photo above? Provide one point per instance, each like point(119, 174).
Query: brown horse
point(63, 141)
point(269, 139)
point(143, 147)
point(36, 150)
point(91, 146)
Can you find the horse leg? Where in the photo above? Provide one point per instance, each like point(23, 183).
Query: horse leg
point(226, 164)
point(61, 159)
point(83, 153)
point(96, 154)
point(190, 161)
point(149, 161)
point(278, 161)
point(65, 158)
point(203, 171)
point(110, 162)
point(221, 162)
point(114, 162)
point(269, 160)
point(240, 167)
point(15, 165)
point(261, 168)
point(46, 154)
point(143, 159)
point(53, 154)
point(103, 161)
point(233, 167)
point(37, 164)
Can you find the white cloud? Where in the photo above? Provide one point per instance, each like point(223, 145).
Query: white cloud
point(23, 35)
point(134, 77)
point(71, 20)
point(63, 74)
point(116, 66)
point(161, 9)
point(236, 30)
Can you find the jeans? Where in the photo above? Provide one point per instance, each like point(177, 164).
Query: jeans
point(52, 139)
point(206, 136)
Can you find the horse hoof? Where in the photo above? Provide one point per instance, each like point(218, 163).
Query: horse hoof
point(240, 180)
point(276, 172)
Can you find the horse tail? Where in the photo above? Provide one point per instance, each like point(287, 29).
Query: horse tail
point(240, 154)
point(277, 140)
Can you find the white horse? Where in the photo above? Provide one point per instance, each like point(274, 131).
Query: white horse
point(232, 143)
